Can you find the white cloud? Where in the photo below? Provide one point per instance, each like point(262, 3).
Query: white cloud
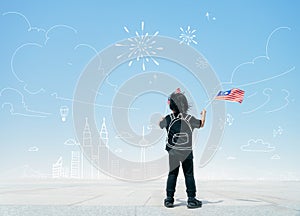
point(264, 67)
point(14, 100)
point(275, 157)
point(33, 149)
point(231, 158)
point(263, 101)
point(47, 58)
point(71, 142)
point(257, 146)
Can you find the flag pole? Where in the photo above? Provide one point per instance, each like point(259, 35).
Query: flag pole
point(209, 102)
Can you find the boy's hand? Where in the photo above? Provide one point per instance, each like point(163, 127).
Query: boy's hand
point(203, 112)
point(162, 118)
point(161, 123)
point(203, 117)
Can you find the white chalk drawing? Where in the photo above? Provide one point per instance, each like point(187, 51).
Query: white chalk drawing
point(57, 168)
point(41, 90)
point(25, 110)
point(76, 160)
point(92, 48)
point(118, 150)
point(142, 47)
point(64, 112)
point(202, 63)
point(30, 27)
point(54, 94)
point(143, 143)
point(33, 149)
point(287, 102)
point(13, 57)
point(104, 133)
point(252, 95)
point(277, 132)
point(257, 145)
point(275, 157)
point(47, 37)
point(265, 56)
point(187, 36)
point(123, 135)
point(267, 93)
point(229, 119)
point(71, 142)
point(208, 15)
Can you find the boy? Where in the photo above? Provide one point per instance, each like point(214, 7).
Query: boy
point(179, 126)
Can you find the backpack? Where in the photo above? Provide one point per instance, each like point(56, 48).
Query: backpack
point(180, 132)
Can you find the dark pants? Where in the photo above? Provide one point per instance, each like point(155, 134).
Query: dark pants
point(186, 159)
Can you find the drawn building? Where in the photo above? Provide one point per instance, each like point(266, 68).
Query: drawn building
point(87, 145)
point(87, 135)
point(75, 164)
point(103, 149)
point(104, 133)
point(115, 167)
point(57, 169)
point(143, 144)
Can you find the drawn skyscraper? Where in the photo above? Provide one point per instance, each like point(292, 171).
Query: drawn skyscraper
point(103, 150)
point(143, 144)
point(87, 135)
point(75, 164)
point(57, 169)
point(86, 144)
point(104, 133)
point(115, 167)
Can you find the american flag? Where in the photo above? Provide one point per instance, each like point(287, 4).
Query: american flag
point(234, 94)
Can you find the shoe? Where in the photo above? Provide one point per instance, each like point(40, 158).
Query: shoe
point(169, 202)
point(194, 203)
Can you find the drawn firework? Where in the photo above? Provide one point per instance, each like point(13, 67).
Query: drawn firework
point(201, 63)
point(141, 47)
point(187, 36)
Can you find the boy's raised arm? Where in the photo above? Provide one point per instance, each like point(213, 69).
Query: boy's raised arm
point(203, 117)
point(162, 123)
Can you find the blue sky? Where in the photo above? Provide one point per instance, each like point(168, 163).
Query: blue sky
point(250, 44)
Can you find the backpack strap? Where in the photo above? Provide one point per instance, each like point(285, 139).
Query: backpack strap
point(172, 116)
point(188, 117)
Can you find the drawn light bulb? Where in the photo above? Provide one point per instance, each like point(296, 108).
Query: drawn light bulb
point(64, 111)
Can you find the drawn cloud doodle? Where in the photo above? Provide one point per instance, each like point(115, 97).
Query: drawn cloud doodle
point(49, 60)
point(275, 157)
point(263, 67)
point(14, 100)
point(257, 145)
point(263, 101)
point(71, 142)
point(33, 149)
